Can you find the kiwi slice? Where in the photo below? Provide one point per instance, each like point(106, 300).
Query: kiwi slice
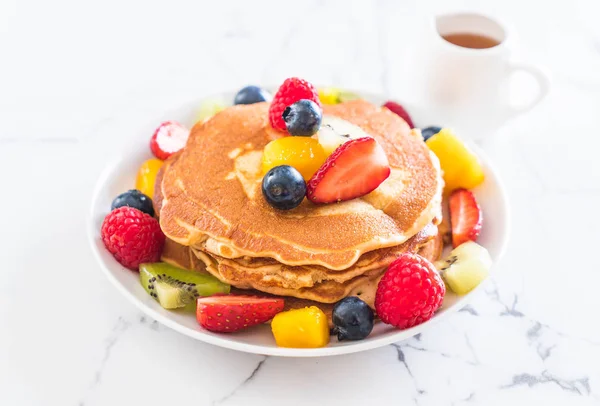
point(345, 96)
point(466, 267)
point(175, 287)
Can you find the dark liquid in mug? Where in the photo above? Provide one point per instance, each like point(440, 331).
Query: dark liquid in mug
point(474, 41)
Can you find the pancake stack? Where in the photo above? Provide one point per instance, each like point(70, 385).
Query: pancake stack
point(212, 210)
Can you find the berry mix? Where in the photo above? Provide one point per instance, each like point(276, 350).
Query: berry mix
point(325, 160)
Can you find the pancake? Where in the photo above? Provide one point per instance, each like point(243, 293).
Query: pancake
point(313, 283)
point(327, 290)
point(181, 256)
point(210, 197)
point(246, 272)
point(332, 286)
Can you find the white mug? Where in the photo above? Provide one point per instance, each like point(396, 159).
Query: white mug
point(468, 88)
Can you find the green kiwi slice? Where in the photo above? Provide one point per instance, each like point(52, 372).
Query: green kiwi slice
point(175, 287)
point(345, 96)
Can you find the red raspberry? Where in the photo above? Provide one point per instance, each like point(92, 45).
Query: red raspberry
point(410, 292)
point(292, 90)
point(133, 237)
point(400, 111)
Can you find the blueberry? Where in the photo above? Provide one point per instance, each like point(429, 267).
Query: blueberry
point(352, 319)
point(284, 187)
point(429, 132)
point(251, 95)
point(303, 118)
point(136, 199)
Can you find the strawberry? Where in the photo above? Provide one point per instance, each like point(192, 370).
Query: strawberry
point(168, 138)
point(400, 111)
point(226, 314)
point(292, 90)
point(354, 169)
point(465, 217)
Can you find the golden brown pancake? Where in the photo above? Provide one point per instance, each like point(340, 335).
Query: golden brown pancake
point(181, 256)
point(299, 281)
point(210, 195)
point(212, 210)
point(333, 287)
point(269, 272)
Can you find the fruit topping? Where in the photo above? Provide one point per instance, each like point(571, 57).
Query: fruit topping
point(134, 198)
point(209, 108)
point(333, 95)
point(303, 153)
point(336, 131)
point(429, 132)
point(465, 217)
point(283, 187)
point(460, 165)
point(230, 313)
point(301, 328)
point(175, 287)
point(345, 96)
point(354, 169)
point(168, 138)
point(251, 95)
point(329, 95)
point(466, 267)
point(292, 90)
point(132, 237)
point(146, 176)
point(352, 319)
point(400, 111)
point(409, 292)
point(303, 118)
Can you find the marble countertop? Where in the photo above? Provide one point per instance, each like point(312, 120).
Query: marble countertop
point(76, 77)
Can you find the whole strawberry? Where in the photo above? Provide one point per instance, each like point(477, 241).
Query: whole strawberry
point(292, 90)
point(133, 237)
point(410, 292)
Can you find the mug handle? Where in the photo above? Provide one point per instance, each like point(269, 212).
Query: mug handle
point(541, 77)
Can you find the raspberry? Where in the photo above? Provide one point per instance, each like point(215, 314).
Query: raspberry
point(133, 237)
point(410, 292)
point(400, 111)
point(292, 90)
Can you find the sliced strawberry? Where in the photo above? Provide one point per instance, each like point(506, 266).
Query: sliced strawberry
point(354, 169)
point(168, 138)
point(226, 314)
point(465, 216)
point(400, 111)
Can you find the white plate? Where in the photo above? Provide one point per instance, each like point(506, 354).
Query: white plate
point(119, 176)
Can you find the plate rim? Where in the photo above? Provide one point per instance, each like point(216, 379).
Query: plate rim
point(351, 347)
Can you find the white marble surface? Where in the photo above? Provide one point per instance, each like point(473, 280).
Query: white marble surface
point(76, 77)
